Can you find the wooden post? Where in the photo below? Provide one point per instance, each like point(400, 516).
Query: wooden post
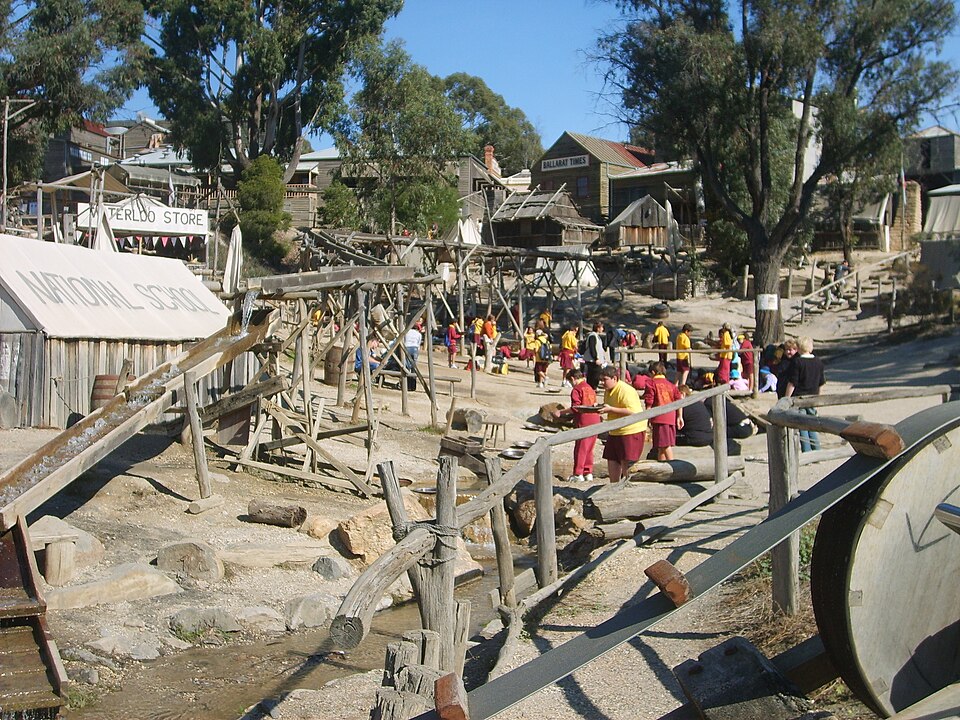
point(430, 375)
point(783, 449)
point(473, 366)
point(720, 465)
point(306, 366)
point(398, 515)
point(859, 291)
point(460, 297)
point(436, 582)
point(365, 366)
point(404, 359)
point(755, 373)
point(196, 430)
point(546, 532)
point(345, 350)
point(893, 303)
point(501, 540)
point(790, 284)
point(746, 280)
point(461, 634)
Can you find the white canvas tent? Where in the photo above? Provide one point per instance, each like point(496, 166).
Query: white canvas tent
point(943, 216)
point(567, 272)
point(68, 314)
point(469, 231)
point(142, 215)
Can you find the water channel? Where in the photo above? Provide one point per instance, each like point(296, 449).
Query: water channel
point(219, 683)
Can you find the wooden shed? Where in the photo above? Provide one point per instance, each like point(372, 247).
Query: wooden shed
point(642, 222)
point(69, 314)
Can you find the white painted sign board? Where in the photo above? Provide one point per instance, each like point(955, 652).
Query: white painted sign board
point(68, 291)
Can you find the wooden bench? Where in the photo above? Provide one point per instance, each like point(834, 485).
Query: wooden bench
point(493, 428)
point(59, 548)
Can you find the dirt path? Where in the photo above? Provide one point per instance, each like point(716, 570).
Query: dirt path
point(135, 501)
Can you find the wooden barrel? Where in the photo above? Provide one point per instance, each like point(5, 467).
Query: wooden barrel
point(331, 366)
point(104, 389)
point(660, 311)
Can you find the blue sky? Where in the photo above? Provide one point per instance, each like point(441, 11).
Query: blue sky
point(532, 52)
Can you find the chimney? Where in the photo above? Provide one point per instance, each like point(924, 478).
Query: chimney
point(490, 161)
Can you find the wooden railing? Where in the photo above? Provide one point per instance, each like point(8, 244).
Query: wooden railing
point(784, 459)
point(856, 275)
point(352, 622)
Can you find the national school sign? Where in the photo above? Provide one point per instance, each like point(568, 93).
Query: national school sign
point(68, 291)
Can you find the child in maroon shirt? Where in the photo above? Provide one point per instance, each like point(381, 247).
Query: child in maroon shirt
point(582, 395)
point(659, 392)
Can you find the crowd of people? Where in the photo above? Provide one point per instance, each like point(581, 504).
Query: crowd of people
point(591, 363)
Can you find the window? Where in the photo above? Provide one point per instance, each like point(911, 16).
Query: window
point(583, 186)
point(925, 148)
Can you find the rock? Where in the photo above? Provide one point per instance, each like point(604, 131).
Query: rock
point(319, 527)
point(469, 419)
point(332, 568)
point(131, 581)
point(262, 618)
point(310, 611)
point(521, 509)
point(89, 550)
point(82, 655)
point(175, 643)
point(144, 646)
point(369, 533)
point(9, 411)
point(193, 559)
point(300, 554)
point(478, 531)
point(86, 675)
point(200, 621)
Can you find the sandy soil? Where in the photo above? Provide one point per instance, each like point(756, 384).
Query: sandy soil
point(135, 502)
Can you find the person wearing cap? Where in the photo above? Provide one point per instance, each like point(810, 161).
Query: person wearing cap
point(683, 358)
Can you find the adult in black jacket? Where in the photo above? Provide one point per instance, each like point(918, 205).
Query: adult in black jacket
point(806, 377)
point(697, 428)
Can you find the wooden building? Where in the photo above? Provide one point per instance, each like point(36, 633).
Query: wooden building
point(536, 220)
point(583, 167)
point(69, 315)
point(78, 150)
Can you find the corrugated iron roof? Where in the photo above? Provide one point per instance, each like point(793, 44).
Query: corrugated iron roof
point(607, 151)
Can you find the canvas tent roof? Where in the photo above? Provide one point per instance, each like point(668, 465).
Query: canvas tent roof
point(83, 181)
point(943, 215)
point(566, 271)
point(67, 291)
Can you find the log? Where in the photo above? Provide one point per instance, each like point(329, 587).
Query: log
point(289, 516)
point(428, 646)
point(687, 470)
point(871, 439)
point(398, 656)
point(501, 540)
point(437, 579)
point(395, 705)
point(671, 581)
point(638, 500)
point(461, 634)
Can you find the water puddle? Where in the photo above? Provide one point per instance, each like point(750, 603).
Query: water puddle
point(220, 683)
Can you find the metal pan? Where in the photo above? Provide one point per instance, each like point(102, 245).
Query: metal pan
point(512, 454)
point(523, 444)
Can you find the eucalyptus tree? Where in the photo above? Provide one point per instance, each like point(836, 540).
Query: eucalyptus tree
point(399, 140)
point(62, 61)
point(712, 80)
point(240, 79)
point(493, 122)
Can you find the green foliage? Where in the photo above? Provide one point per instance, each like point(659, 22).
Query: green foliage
point(75, 58)
point(240, 80)
point(398, 139)
point(763, 567)
point(747, 104)
point(341, 208)
point(493, 122)
point(260, 195)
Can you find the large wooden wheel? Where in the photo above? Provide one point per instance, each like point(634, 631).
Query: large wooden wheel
point(885, 579)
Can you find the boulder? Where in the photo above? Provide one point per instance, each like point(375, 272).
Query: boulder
point(192, 559)
point(319, 527)
point(89, 550)
point(145, 646)
point(333, 568)
point(262, 618)
point(131, 581)
point(521, 509)
point(310, 611)
point(369, 533)
point(199, 621)
point(469, 419)
point(295, 555)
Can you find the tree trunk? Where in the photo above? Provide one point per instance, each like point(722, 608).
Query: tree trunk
point(766, 280)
